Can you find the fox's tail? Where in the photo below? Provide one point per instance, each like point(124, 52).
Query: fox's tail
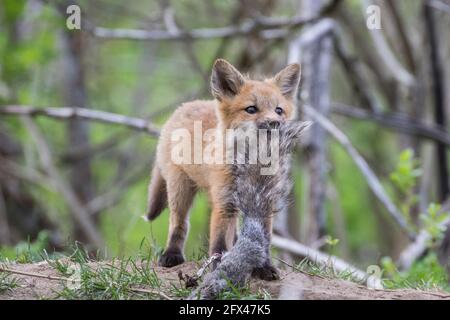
point(157, 194)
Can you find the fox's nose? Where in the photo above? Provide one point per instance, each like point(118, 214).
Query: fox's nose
point(273, 124)
point(269, 124)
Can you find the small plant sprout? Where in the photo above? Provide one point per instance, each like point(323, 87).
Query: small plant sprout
point(404, 178)
point(433, 222)
point(7, 282)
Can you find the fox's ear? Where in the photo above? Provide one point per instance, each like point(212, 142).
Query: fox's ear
point(225, 80)
point(288, 80)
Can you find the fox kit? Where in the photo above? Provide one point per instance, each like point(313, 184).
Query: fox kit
point(237, 100)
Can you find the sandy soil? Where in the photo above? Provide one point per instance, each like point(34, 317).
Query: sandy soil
point(293, 285)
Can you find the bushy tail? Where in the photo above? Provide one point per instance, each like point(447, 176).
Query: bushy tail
point(236, 266)
point(157, 194)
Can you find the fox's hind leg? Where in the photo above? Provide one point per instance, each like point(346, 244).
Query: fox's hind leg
point(180, 192)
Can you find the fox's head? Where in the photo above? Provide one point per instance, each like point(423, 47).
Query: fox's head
point(266, 103)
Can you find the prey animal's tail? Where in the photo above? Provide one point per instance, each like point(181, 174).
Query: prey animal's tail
point(157, 194)
point(257, 197)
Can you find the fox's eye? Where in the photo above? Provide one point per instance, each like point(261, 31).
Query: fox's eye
point(251, 109)
point(278, 111)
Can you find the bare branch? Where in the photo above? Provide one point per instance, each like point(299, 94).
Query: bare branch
point(81, 215)
point(372, 180)
point(87, 114)
point(354, 70)
point(393, 66)
point(9, 168)
point(439, 5)
point(323, 259)
point(397, 121)
point(417, 248)
point(260, 25)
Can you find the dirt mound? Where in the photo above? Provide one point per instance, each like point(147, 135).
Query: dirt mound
point(41, 281)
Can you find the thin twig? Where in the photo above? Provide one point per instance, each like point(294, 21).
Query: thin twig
point(372, 180)
point(81, 113)
point(35, 275)
point(396, 120)
point(393, 66)
point(323, 259)
point(80, 213)
point(274, 27)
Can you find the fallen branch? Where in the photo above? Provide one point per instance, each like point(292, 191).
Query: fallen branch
point(372, 180)
point(81, 113)
point(323, 259)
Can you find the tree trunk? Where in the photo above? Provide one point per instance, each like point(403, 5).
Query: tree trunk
point(316, 65)
point(438, 85)
point(77, 130)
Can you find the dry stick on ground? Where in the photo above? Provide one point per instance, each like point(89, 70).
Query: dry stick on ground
point(261, 25)
point(362, 165)
point(80, 213)
point(323, 259)
point(42, 276)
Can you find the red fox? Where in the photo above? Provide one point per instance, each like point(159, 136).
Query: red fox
point(237, 99)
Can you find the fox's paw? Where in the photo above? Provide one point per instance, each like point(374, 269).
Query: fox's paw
point(267, 273)
point(170, 259)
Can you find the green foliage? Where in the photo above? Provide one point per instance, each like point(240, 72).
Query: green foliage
point(329, 240)
point(325, 270)
point(26, 252)
point(407, 171)
point(242, 293)
point(433, 222)
point(7, 282)
point(427, 273)
point(404, 177)
point(113, 280)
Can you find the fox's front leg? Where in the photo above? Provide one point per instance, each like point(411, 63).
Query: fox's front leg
point(268, 272)
point(222, 234)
